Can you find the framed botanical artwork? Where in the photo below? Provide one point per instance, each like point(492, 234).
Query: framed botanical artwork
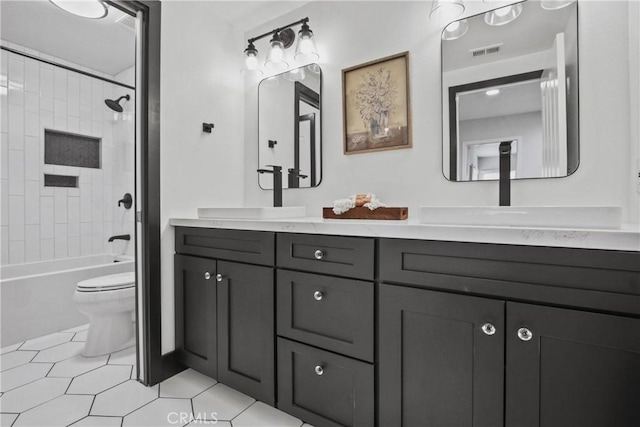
point(375, 105)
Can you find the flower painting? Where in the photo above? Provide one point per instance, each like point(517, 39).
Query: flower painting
point(376, 105)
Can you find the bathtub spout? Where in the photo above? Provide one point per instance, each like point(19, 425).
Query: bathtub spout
point(120, 237)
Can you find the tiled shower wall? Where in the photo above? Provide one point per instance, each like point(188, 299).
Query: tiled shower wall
point(42, 223)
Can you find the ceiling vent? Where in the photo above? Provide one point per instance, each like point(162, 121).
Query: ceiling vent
point(487, 50)
point(127, 21)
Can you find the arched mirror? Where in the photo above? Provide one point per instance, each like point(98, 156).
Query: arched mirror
point(511, 75)
point(289, 127)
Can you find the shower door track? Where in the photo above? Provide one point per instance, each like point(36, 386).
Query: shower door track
point(66, 67)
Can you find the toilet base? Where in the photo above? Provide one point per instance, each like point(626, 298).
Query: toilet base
point(108, 334)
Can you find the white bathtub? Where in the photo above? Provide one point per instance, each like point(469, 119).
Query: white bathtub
point(36, 298)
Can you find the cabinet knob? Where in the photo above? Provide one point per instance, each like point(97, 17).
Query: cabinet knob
point(317, 295)
point(219, 277)
point(319, 370)
point(318, 254)
point(525, 334)
point(488, 329)
point(207, 275)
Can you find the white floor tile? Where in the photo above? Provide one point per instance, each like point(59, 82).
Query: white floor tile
point(161, 412)
point(99, 422)
point(186, 384)
point(123, 399)
point(220, 402)
point(99, 380)
point(210, 423)
point(80, 336)
point(124, 357)
point(9, 348)
point(24, 374)
point(61, 411)
point(77, 365)
point(263, 415)
point(78, 328)
point(7, 420)
point(33, 394)
point(15, 358)
point(47, 341)
point(59, 352)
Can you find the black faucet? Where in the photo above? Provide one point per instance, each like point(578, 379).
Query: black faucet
point(294, 178)
point(277, 184)
point(505, 173)
point(126, 200)
point(120, 237)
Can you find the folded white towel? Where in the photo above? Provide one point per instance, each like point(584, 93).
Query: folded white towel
point(341, 206)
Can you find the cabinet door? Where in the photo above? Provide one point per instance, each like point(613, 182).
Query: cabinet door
point(195, 306)
point(437, 365)
point(571, 368)
point(246, 334)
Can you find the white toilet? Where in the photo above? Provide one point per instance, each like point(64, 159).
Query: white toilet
point(109, 302)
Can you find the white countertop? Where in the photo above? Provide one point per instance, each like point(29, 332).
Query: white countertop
point(624, 239)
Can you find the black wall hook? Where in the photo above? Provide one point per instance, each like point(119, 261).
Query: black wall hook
point(206, 127)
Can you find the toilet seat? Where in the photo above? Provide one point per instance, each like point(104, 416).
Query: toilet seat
point(112, 282)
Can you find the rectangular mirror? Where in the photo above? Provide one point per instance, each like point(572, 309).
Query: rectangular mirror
point(511, 75)
point(289, 127)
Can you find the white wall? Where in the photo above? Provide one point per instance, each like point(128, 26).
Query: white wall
point(349, 33)
point(200, 82)
point(41, 223)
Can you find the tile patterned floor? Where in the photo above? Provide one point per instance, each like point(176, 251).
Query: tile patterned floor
point(45, 382)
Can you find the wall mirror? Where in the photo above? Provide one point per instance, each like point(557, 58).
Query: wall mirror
point(511, 74)
point(289, 127)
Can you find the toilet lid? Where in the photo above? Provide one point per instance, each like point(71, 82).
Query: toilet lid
point(111, 282)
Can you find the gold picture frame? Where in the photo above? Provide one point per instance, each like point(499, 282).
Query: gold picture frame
point(376, 110)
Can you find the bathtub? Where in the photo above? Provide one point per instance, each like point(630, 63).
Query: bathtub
point(36, 298)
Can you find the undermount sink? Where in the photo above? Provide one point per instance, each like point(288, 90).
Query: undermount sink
point(253, 212)
point(593, 217)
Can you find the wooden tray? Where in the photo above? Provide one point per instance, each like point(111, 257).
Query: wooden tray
point(365, 213)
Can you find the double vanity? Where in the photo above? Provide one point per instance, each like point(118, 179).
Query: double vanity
point(365, 323)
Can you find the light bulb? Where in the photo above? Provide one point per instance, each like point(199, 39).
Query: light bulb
point(94, 9)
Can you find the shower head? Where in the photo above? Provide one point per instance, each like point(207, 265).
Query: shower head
point(115, 105)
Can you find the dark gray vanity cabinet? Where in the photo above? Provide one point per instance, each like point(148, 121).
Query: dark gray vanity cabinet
point(326, 329)
point(571, 368)
point(443, 356)
point(225, 309)
point(441, 359)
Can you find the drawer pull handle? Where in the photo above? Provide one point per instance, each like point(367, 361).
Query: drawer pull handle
point(525, 334)
point(318, 254)
point(207, 275)
point(319, 370)
point(317, 295)
point(219, 277)
point(488, 329)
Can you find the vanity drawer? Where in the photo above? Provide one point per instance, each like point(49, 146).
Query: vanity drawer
point(323, 388)
point(328, 312)
point(254, 247)
point(335, 255)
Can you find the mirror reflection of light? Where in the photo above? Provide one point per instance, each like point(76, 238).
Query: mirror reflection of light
point(492, 92)
point(555, 4)
point(503, 15)
point(455, 30)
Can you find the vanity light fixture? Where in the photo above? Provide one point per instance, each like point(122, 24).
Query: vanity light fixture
point(455, 30)
point(555, 4)
point(503, 15)
point(446, 10)
point(94, 9)
point(281, 39)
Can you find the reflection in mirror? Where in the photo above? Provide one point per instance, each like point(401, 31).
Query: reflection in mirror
point(289, 127)
point(513, 81)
